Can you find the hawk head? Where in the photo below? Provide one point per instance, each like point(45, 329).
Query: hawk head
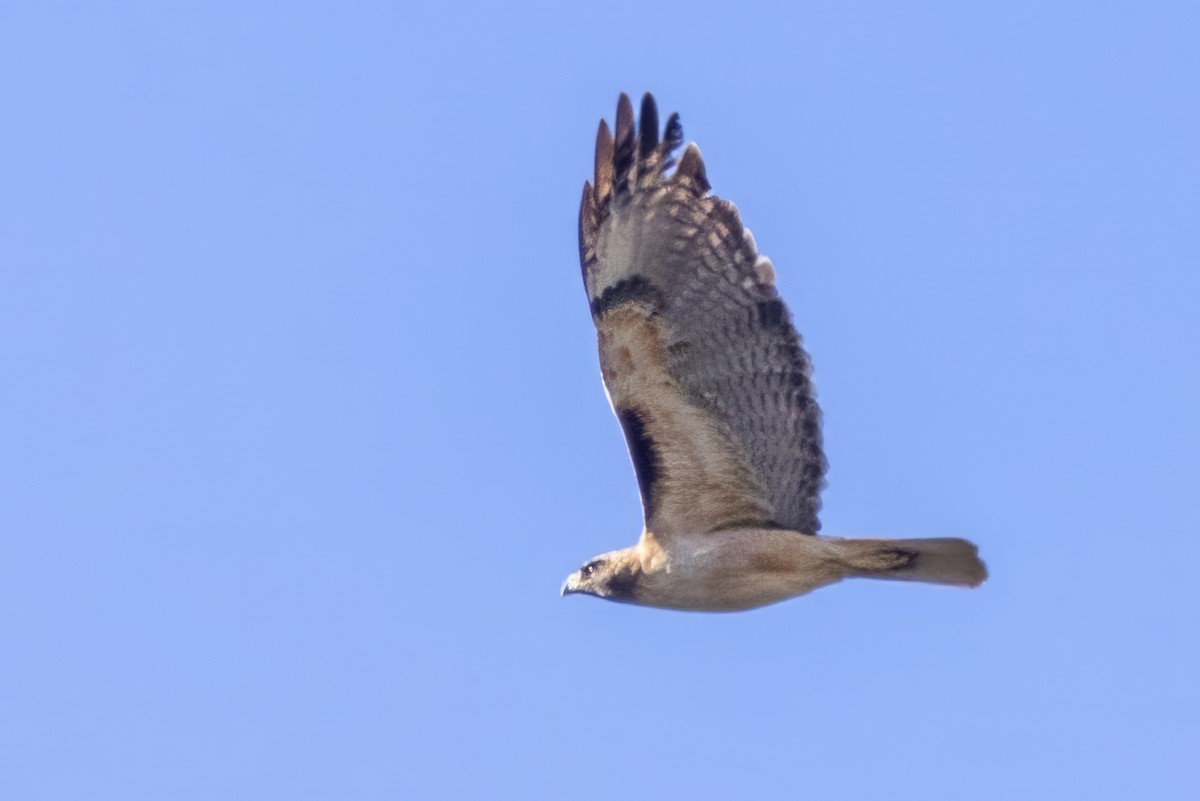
point(612, 575)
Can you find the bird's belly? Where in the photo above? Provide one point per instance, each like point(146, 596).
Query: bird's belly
point(738, 569)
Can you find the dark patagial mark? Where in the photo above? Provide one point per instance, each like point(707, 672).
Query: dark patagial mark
point(636, 288)
point(644, 456)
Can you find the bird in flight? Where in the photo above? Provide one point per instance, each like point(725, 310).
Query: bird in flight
point(713, 390)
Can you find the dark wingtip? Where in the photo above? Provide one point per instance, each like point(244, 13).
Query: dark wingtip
point(624, 117)
point(632, 155)
point(648, 127)
point(623, 147)
point(603, 173)
point(673, 135)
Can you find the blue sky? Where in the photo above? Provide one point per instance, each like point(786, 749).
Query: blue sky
point(301, 424)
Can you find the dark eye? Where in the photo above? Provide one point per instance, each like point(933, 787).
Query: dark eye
point(590, 568)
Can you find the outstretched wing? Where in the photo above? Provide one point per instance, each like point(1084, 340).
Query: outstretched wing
point(701, 363)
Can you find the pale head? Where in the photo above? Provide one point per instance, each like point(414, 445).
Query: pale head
point(612, 575)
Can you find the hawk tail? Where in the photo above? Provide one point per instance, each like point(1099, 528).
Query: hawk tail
point(934, 561)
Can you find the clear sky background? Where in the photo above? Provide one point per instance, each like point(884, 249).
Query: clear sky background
point(301, 425)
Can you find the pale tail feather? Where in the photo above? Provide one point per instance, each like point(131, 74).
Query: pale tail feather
point(934, 561)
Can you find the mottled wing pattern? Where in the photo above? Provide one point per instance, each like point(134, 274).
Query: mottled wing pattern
point(699, 357)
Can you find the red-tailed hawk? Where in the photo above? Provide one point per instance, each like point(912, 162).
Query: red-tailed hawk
point(712, 388)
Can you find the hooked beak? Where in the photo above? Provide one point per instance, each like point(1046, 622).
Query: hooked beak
point(570, 585)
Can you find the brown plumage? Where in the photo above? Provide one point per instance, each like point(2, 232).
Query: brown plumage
point(712, 388)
